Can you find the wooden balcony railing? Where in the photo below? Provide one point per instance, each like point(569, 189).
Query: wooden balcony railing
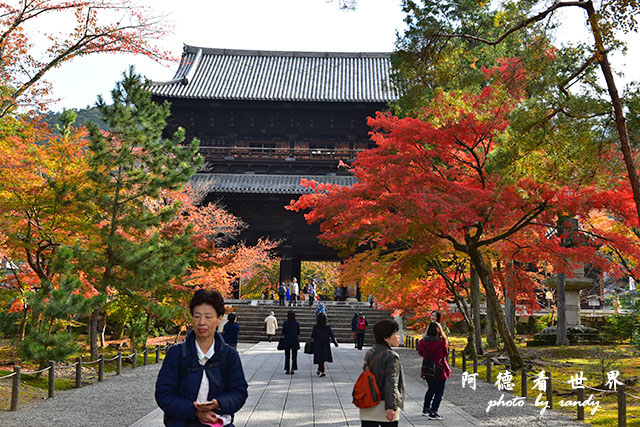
point(278, 153)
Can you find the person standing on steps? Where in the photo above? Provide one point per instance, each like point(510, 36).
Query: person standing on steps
point(294, 291)
point(311, 291)
point(435, 345)
point(361, 326)
point(270, 325)
point(201, 380)
point(230, 330)
point(321, 335)
point(291, 334)
point(384, 363)
point(282, 294)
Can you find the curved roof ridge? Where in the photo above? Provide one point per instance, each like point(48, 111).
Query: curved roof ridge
point(285, 53)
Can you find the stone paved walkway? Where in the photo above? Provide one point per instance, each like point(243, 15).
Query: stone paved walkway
point(304, 399)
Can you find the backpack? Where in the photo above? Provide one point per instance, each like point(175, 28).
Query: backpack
point(362, 324)
point(430, 371)
point(366, 393)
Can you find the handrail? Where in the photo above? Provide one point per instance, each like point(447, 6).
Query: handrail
point(36, 372)
point(78, 365)
point(8, 376)
point(631, 395)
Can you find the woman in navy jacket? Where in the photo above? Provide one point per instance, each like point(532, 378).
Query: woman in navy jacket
point(201, 380)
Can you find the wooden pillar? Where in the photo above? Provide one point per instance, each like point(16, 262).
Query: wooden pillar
point(52, 378)
point(580, 400)
point(622, 406)
point(78, 372)
point(15, 389)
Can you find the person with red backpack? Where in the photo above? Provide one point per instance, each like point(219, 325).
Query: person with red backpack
point(384, 364)
point(434, 348)
point(361, 326)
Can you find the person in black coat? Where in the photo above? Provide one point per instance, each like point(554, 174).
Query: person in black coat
point(291, 333)
point(230, 331)
point(321, 335)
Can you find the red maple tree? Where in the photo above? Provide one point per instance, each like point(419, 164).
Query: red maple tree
point(428, 189)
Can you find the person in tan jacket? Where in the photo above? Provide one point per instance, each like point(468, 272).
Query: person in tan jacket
point(271, 325)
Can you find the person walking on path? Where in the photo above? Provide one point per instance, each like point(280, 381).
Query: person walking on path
point(361, 326)
point(201, 380)
point(270, 325)
point(384, 363)
point(294, 291)
point(354, 330)
point(321, 335)
point(291, 335)
point(435, 345)
point(282, 294)
point(230, 331)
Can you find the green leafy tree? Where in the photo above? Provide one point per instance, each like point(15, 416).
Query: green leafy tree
point(129, 165)
point(55, 307)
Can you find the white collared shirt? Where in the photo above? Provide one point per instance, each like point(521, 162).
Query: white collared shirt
point(203, 391)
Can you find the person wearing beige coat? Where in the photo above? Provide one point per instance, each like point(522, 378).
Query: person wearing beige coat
point(271, 325)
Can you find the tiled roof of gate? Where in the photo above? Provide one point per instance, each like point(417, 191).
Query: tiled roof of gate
point(269, 184)
point(206, 73)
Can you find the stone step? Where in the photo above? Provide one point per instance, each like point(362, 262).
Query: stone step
point(251, 320)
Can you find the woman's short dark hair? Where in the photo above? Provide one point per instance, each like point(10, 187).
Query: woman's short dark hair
point(231, 317)
point(384, 329)
point(205, 296)
point(432, 329)
point(321, 319)
point(291, 315)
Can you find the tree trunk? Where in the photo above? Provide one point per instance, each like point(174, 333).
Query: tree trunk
point(561, 330)
point(471, 346)
point(509, 305)
point(103, 328)
point(23, 324)
point(463, 307)
point(492, 341)
point(475, 307)
point(93, 333)
point(492, 299)
point(618, 109)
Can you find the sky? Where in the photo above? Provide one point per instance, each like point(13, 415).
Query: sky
point(289, 25)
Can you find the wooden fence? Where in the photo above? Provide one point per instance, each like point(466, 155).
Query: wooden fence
point(412, 343)
point(51, 369)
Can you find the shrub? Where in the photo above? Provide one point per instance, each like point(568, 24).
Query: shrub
point(622, 327)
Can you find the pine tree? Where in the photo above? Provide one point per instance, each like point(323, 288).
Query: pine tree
point(129, 165)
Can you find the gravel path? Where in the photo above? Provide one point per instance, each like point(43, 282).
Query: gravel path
point(476, 402)
point(117, 401)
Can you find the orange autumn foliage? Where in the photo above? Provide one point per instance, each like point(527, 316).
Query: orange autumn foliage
point(39, 35)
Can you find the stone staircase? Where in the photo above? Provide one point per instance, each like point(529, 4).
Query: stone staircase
point(251, 314)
